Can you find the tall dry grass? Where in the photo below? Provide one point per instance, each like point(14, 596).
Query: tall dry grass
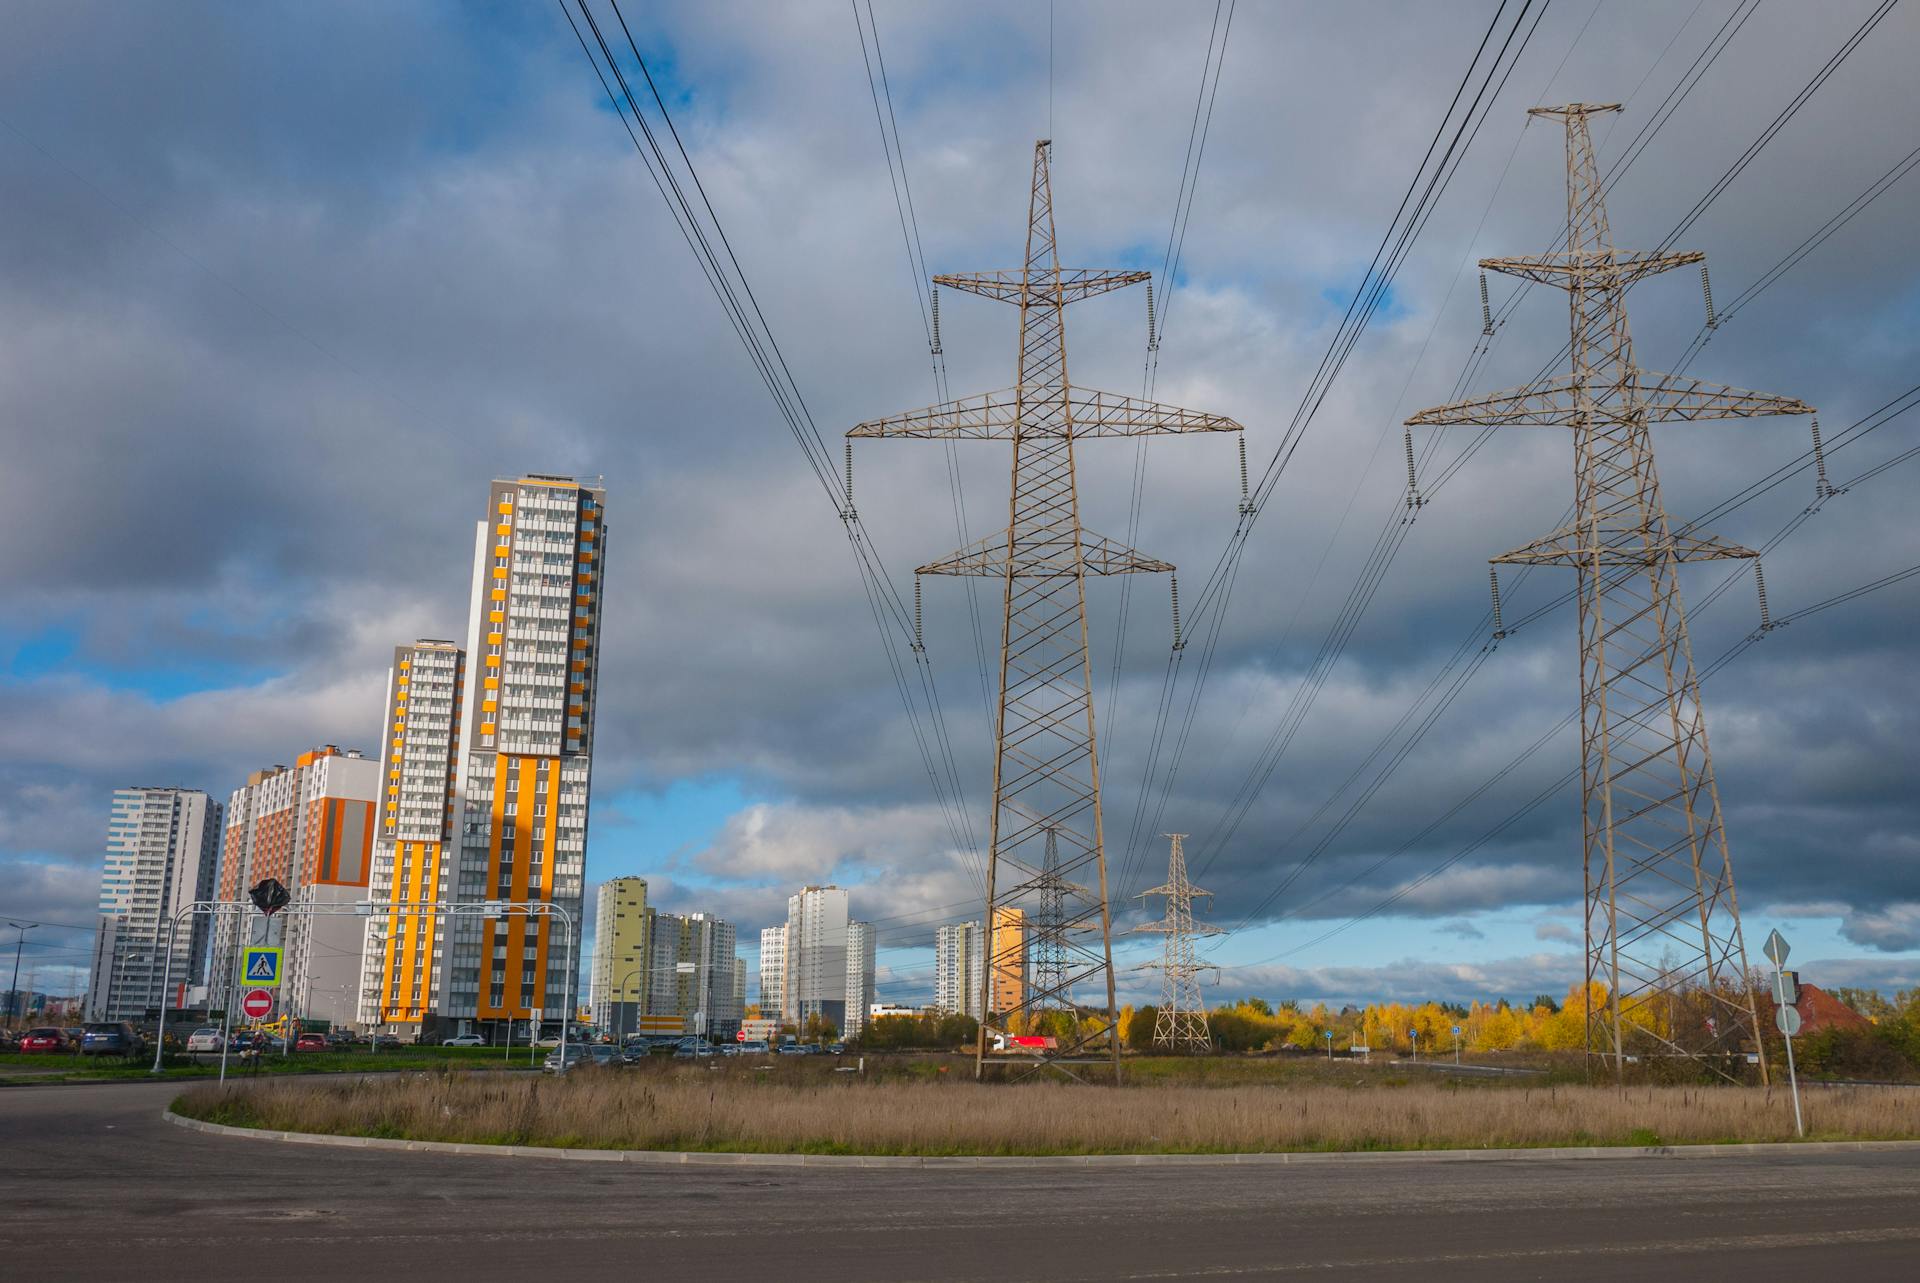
point(615, 1110)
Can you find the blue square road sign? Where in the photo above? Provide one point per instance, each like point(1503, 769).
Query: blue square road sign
point(260, 966)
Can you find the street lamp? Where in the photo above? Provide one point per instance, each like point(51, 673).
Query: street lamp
point(620, 1035)
point(13, 994)
point(116, 983)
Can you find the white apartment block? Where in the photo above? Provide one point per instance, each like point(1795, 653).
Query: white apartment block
point(527, 741)
point(404, 950)
point(860, 977)
point(959, 958)
point(163, 850)
point(828, 970)
point(773, 971)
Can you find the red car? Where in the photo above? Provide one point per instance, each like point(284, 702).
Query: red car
point(44, 1040)
point(310, 1042)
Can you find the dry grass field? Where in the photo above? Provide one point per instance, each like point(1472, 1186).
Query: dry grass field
point(686, 1109)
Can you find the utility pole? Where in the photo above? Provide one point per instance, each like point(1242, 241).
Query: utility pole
point(1660, 905)
point(14, 1005)
point(1181, 1022)
point(1046, 773)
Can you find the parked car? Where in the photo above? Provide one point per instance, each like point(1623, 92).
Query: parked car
point(310, 1042)
point(837, 1049)
point(576, 1055)
point(111, 1038)
point(384, 1040)
point(43, 1040)
point(795, 1049)
point(547, 1040)
point(465, 1040)
point(755, 1047)
point(205, 1038)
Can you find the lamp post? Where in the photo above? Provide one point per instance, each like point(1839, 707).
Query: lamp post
point(13, 994)
point(619, 1034)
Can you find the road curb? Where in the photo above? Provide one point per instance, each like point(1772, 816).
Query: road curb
point(669, 1158)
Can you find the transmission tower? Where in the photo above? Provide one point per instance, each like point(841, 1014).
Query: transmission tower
point(1181, 1022)
point(1049, 951)
point(1662, 922)
point(1046, 772)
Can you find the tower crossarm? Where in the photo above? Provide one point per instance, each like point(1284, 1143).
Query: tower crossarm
point(995, 416)
point(1568, 401)
point(1064, 284)
point(1605, 269)
point(1047, 558)
point(1576, 546)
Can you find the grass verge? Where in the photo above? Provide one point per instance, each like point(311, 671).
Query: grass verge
point(688, 1107)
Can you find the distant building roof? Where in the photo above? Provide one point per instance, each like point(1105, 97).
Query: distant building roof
point(1821, 1010)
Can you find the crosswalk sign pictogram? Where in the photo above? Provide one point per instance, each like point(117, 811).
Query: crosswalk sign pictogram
point(260, 966)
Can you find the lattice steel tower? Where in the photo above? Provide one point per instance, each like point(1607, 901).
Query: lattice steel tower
point(1180, 1024)
point(1662, 921)
point(1046, 774)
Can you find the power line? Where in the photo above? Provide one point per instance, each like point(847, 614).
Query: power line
point(1387, 544)
point(727, 279)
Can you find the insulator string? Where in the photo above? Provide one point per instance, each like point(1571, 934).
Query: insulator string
point(1174, 580)
point(1493, 581)
point(1706, 289)
point(1486, 308)
point(935, 292)
point(1822, 488)
point(1246, 502)
point(1415, 501)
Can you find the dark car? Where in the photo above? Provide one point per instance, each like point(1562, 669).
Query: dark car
point(43, 1040)
point(111, 1038)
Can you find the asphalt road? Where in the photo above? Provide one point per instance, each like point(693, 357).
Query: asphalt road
point(94, 1185)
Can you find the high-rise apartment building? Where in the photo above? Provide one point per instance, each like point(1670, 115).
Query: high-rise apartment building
point(621, 961)
point(1008, 953)
point(773, 971)
point(526, 746)
point(692, 974)
point(311, 827)
point(861, 986)
point(404, 950)
point(828, 969)
point(959, 951)
point(163, 847)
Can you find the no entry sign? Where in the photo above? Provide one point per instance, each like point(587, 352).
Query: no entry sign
point(257, 1003)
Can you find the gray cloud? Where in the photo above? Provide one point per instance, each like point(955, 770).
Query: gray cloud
point(271, 326)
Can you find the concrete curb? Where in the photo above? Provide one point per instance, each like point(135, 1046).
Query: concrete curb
point(666, 1158)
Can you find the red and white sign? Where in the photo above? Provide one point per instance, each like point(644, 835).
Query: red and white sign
point(257, 1004)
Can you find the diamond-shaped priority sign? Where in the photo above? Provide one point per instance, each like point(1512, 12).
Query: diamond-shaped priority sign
point(1776, 948)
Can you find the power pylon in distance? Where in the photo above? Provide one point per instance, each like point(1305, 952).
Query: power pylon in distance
point(1662, 920)
point(1046, 772)
point(1180, 1024)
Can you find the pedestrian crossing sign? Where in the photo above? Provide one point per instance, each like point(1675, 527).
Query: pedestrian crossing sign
point(260, 966)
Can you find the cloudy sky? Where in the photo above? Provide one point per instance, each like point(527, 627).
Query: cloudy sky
point(282, 287)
